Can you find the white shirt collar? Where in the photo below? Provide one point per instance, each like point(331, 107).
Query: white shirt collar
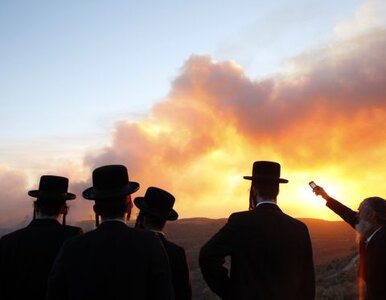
point(371, 236)
point(265, 202)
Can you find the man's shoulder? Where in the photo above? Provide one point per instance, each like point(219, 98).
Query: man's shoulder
point(241, 218)
point(14, 235)
point(143, 234)
point(60, 231)
point(296, 222)
point(174, 246)
point(119, 231)
point(72, 229)
point(240, 215)
point(247, 216)
point(291, 221)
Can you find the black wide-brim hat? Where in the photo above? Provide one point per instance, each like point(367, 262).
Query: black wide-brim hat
point(52, 187)
point(110, 182)
point(157, 202)
point(266, 171)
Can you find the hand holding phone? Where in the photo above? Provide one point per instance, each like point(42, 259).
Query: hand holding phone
point(318, 190)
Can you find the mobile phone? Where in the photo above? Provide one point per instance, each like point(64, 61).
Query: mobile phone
point(312, 184)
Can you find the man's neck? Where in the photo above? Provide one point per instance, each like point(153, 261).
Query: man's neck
point(157, 231)
point(153, 228)
point(42, 217)
point(123, 220)
point(266, 202)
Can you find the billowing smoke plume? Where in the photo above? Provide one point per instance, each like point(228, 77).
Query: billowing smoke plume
point(328, 114)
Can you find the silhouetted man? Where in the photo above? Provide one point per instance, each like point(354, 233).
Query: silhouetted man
point(113, 261)
point(156, 207)
point(271, 254)
point(370, 224)
point(27, 255)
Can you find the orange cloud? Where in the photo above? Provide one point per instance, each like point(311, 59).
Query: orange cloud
point(325, 121)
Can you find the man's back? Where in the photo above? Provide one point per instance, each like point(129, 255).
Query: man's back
point(179, 268)
point(375, 266)
point(271, 257)
point(27, 255)
point(111, 262)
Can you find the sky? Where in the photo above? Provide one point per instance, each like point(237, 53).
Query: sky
point(189, 95)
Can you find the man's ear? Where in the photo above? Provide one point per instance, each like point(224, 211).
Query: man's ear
point(129, 203)
point(64, 209)
point(255, 192)
point(129, 207)
point(374, 215)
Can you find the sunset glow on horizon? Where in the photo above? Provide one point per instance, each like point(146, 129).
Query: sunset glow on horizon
point(322, 118)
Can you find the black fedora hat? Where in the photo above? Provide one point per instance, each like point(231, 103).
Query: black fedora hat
point(53, 188)
point(109, 182)
point(267, 171)
point(157, 202)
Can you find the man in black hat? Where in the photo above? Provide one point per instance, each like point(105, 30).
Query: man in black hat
point(271, 254)
point(27, 255)
point(156, 207)
point(113, 261)
point(370, 223)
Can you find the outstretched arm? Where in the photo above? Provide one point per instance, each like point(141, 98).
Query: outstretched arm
point(347, 214)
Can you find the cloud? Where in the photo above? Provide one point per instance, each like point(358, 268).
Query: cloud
point(200, 140)
point(15, 205)
point(369, 15)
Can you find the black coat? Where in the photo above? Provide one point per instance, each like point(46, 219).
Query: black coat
point(111, 262)
point(27, 255)
point(271, 257)
point(179, 268)
point(373, 258)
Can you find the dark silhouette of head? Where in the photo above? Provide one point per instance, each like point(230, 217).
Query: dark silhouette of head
point(114, 208)
point(153, 223)
point(156, 207)
point(51, 197)
point(378, 206)
point(371, 216)
point(44, 208)
point(265, 182)
point(111, 192)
